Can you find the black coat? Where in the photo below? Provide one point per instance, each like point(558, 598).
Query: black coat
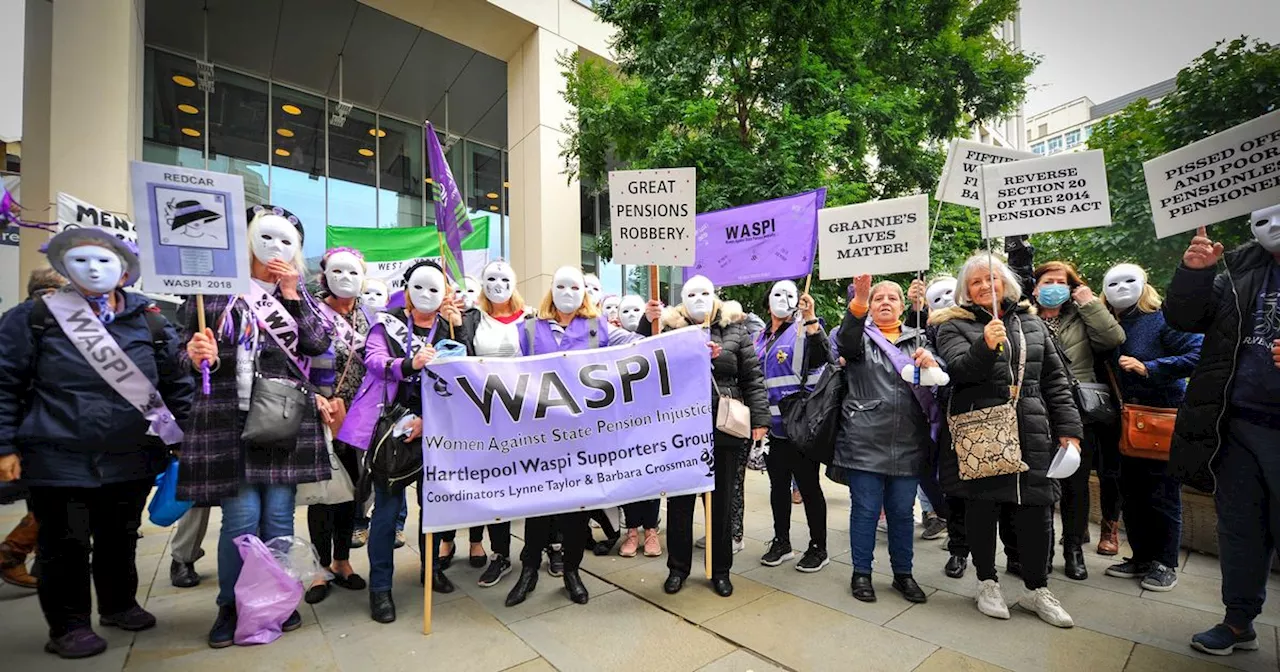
point(1216, 305)
point(980, 378)
point(736, 372)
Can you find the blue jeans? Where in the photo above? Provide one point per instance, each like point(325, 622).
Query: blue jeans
point(389, 511)
point(868, 494)
point(925, 505)
point(262, 510)
point(404, 510)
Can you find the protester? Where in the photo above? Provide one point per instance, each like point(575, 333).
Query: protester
point(186, 547)
point(1229, 426)
point(254, 484)
point(886, 428)
point(397, 349)
point(567, 319)
point(993, 360)
point(610, 305)
point(736, 374)
point(788, 350)
point(630, 312)
point(86, 440)
point(1150, 369)
point(375, 295)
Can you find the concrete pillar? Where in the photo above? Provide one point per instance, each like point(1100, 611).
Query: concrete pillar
point(82, 110)
point(545, 207)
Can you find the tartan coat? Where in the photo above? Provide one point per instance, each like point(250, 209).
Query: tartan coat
point(214, 462)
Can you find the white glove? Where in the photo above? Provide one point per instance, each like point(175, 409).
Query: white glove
point(932, 376)
point(402, 429)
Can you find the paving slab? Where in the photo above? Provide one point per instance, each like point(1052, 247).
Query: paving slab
point(1150, 659)
point(946, 660)
point(741, 660)
point(696, 602)
point(830, 588)
point(1205, 594)
point(303, 649)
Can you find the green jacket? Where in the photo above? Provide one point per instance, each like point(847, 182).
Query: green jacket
point(1084, 331)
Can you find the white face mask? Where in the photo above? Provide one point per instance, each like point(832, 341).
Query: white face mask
point(593, 287)
point(699, 297)
point(273, 237)
point(94, 269)
point(610, 305)
point(783, 299)
point(568, 289)
point(630, 310)
point(499, 282)
point(1123, 286)
point(941, 294)
point(471, 293)
point(426, 289)
point(375, 294)
point(1266, 228)
point(344, 274)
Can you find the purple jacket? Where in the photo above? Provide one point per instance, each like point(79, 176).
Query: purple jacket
point(357, 429)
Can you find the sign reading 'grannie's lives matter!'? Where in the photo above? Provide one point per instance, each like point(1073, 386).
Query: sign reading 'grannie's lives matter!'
point(1226, 175)
point(1068, 191)
point(653, 216)
point(876, 238)
point(512, 438)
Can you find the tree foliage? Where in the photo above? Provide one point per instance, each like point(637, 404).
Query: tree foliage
point(768, 98)
point(1228, 85)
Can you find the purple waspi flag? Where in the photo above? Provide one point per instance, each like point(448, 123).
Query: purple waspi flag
point(452, 220)
point(513, 438)
point(761, 242)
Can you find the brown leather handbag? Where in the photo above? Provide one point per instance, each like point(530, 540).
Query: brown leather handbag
point(1145, 431)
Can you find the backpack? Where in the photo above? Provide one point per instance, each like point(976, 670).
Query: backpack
point(812, 419)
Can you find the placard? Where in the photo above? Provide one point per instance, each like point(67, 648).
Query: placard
point(1225, 175)
point(1068, 191)
point(191, 230)
point(762, 242)
point(652, 215)
point(876, 238)
point(12, 289)
point(961, 181)
point(74, 213)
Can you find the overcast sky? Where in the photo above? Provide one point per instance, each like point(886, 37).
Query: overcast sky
point(1107, 48)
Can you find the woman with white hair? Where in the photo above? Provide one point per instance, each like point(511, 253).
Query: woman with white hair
point(1009, 400)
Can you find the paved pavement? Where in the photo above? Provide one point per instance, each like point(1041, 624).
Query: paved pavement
point(778, 618)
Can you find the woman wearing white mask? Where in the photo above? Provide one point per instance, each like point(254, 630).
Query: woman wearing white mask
point(1151, 369)
point(630, 312)
point(337, 375)
point(566, 320)
point(375, 295)
point(788, 349)
point(594, 289)
point(610, 307)
point(272, 332)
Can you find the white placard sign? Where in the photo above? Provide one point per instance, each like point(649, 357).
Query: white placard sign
point(875, 238)
point(1225, 175)
point(1063, 192)
point(192, 231)
point(961, 181)
point(74, 213)
point(652, 216)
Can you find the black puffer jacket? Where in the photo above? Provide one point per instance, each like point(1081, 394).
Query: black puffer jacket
point(736, 371)
point(1216, 305)
point(980, 378)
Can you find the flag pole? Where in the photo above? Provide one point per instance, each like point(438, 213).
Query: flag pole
point(440, 242)
point(937, 217)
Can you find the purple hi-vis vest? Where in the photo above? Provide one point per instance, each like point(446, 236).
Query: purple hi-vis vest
point(538, 338)
point(782, 359)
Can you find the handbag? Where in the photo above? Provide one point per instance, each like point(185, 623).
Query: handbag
point(1093, 400)
point(165, 508)
point(812, 419)
point(338, 489)
point(392, 463)
point(276, 409)
point(732, 416)
point(1146, 432)
point(986, 439)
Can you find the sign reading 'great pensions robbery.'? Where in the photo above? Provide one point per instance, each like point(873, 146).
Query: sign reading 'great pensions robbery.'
point(761, 242)
point(961, 181)
point(1063, 192)
point(876, 238)
point(1226, 175)
point(652, 215)
point(513, 438)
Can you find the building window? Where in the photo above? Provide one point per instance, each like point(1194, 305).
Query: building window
point(1055, 145)
point(1088, 131)
point(400, 179)
point(589, 4)
point(1038, 148)
point(298, 158)
point(1073, 138)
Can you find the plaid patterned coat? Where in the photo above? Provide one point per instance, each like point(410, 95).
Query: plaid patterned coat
point(214, 462)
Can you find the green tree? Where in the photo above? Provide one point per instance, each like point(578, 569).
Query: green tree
point(1228, 85)
point(768, 98)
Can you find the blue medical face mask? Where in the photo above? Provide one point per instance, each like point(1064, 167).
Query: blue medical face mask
point(1052, 296)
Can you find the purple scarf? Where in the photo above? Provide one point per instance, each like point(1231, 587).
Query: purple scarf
point(899, 359)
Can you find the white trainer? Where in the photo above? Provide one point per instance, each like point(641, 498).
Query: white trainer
point(1042, 603)
point(738, 546)
point(991, 600)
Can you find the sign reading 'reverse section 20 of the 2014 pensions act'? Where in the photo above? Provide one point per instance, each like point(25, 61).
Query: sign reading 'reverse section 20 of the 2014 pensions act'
point(513, 438)
point(653, 216)
point(890, 236)
point(1063, 192)
point(961, 181)
point(1226, 175)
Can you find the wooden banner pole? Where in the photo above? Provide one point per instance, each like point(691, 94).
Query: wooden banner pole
point(654, 292)
point(429, 561)
point(706, 518)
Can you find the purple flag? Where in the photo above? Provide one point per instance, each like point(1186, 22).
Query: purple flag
point(514, 438)
point(452, 220)
point(761, 242)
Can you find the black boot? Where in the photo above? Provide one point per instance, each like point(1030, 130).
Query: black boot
point(573, 584)
point(1073, 563)
point(381, 607)
point(674, 583)
point(439, 582)
point(524, 585)
point(906, 584)
point(722, 585)
point(862, 589)
point(956, 566)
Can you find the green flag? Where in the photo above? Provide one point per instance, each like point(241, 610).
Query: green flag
point(388, 252)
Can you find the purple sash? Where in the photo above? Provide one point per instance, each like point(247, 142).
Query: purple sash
point(103, 354)
point(353, 338)
point(279, 324)
point(900, 360)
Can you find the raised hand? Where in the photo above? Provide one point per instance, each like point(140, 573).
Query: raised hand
point(915, 293)
point(286, 276)
point(1202, 253)
point(1082, 295)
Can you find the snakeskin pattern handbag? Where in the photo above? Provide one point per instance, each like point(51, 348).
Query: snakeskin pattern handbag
point(986, 439)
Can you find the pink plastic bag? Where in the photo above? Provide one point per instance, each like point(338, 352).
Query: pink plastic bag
point(265, 593)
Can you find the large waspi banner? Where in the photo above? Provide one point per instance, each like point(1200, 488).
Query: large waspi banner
point(512, 438)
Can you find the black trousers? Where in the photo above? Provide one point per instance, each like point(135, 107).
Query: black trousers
point(643, 513)
point(784, 463)
point(606, 525)
point(930, 485)
point(682, 510)
point(957, 540)
point(77, 522)
point(1107, 461)
point(499, 537)
point(331, 525)
point(1034, 537)
point(541, 531)
point(1074, 504)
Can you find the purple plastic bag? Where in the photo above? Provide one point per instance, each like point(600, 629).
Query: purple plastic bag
point(266, 595)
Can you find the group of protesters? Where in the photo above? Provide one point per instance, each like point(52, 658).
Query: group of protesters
point(1003, 353)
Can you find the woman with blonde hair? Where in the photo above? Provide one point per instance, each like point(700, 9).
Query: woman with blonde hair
point(1150, 369)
